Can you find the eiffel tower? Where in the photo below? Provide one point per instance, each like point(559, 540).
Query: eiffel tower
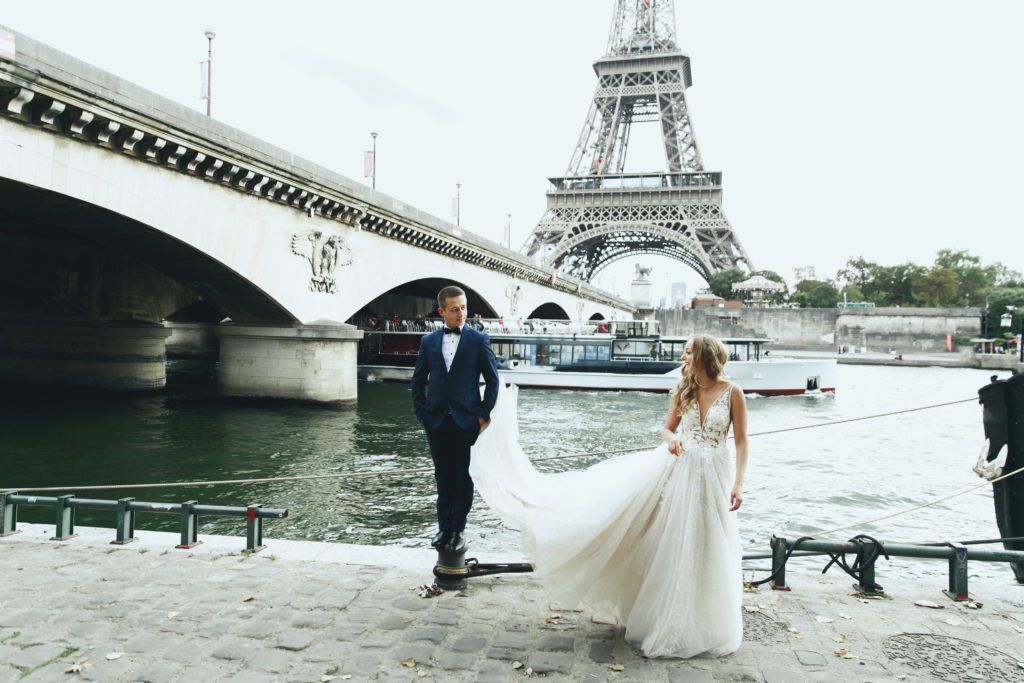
point(597, 213)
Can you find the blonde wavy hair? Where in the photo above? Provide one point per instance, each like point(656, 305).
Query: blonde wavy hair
point(711, 355)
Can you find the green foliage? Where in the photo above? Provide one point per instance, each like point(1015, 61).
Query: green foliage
point(721, 282)
point(815, 294)
point(998, 299)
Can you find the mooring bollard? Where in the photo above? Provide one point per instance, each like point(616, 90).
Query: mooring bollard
point(451, 571)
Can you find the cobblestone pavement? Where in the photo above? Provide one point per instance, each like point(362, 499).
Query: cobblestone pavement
point(317, 612)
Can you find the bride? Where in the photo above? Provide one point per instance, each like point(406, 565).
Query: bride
point(649, 537)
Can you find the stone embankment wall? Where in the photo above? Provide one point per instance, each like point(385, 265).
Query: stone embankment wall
point(906, 329)
point(789, 326)
point(878, 329)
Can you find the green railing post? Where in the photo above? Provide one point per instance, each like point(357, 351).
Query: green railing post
point(866, 583)
point(189, 526)
point(779, 548)
point(8, 515)
point(958, 574)
point(65, 518)
point(253, 528)
point(125, 522)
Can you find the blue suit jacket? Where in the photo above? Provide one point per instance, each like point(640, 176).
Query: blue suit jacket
point(437, 391)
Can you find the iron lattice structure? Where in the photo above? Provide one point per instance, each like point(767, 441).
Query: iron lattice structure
point(597, 213)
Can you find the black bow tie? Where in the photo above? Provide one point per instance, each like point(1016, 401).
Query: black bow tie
point(453, 330)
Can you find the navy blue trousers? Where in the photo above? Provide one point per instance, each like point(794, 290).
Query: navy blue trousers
point(449, 448)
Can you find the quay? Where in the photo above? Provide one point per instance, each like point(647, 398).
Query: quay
point(311, 611)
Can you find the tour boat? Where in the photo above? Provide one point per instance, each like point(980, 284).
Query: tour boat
point(611, 355)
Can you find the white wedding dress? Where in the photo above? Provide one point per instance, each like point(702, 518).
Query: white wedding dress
point(646, 537)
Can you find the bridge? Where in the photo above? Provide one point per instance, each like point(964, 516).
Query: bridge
point(126, 218)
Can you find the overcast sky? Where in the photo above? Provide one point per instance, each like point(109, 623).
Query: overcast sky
point(888, 129)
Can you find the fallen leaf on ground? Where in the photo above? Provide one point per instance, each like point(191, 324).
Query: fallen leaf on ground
point(953, 621)
point(616, 667)
point(971, 604)
point(929, 604)
point(752, 608)
point(114, 655)
point(248, 598)
point(420, 673)
point(750, 587)
point(823, 620)
point(75, 668)
point(409, 662)
point(326, 679)
point(845, 616)
point(841, 638)
point(517, 665)
point(171, 615)
point(843, 653)
point(792, 630)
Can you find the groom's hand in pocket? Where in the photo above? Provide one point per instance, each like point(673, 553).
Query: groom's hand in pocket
point(483, 423)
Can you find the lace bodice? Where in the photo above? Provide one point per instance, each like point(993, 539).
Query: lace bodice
point(715, 429)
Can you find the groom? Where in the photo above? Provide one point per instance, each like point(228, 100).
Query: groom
point(446, 399)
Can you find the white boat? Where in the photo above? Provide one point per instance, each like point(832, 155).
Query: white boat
point(598, 356)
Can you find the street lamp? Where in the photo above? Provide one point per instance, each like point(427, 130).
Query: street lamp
point(1006, 320)
point(210, 35)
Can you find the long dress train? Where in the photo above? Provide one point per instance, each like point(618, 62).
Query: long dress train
point(646, 536)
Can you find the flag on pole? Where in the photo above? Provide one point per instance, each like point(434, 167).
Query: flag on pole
point(455, 206)
point(204, 80)
point(7, 50)
point(368, 165)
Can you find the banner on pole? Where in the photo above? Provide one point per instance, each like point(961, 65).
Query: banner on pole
point(204, 80)
point(455, 206)
point(368, 165)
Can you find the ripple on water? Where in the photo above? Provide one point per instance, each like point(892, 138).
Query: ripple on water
point(798, 482)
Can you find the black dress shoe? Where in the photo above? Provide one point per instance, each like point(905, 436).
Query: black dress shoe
point(455, 543)
point(439, 540)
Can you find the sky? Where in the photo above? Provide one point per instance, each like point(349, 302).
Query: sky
point(881, 129)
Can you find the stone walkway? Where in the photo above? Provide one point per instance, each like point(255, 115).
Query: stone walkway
point(314, 612)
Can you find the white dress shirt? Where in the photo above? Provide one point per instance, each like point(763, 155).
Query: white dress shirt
point(449, 344)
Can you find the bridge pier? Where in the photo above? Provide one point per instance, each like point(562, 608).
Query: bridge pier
point(192, 340)
point(114, 356)
point(305, 362)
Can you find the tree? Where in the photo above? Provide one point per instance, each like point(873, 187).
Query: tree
point(972, 279)
point(937, 287)
point(815, 294)
point(998, 299)
point(721, 282)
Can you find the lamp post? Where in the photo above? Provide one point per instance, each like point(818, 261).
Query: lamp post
point(508, 232)
point(373, 134)
point(1006, 320)
point(210, 35)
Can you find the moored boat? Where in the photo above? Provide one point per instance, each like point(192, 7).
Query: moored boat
point(598, 356)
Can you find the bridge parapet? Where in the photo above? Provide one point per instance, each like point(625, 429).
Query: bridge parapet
point(47, 89)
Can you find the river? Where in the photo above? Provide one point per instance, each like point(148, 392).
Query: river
point(799, 482)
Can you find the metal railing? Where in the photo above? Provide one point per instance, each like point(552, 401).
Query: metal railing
point(127, 508)
point(868, 550)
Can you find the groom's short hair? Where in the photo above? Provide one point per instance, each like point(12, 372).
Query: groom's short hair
point(447, 293)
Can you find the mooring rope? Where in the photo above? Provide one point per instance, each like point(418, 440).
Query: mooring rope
point(922, 505)
point(427, 470)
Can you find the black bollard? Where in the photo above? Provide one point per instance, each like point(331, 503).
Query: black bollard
point(451, 572)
